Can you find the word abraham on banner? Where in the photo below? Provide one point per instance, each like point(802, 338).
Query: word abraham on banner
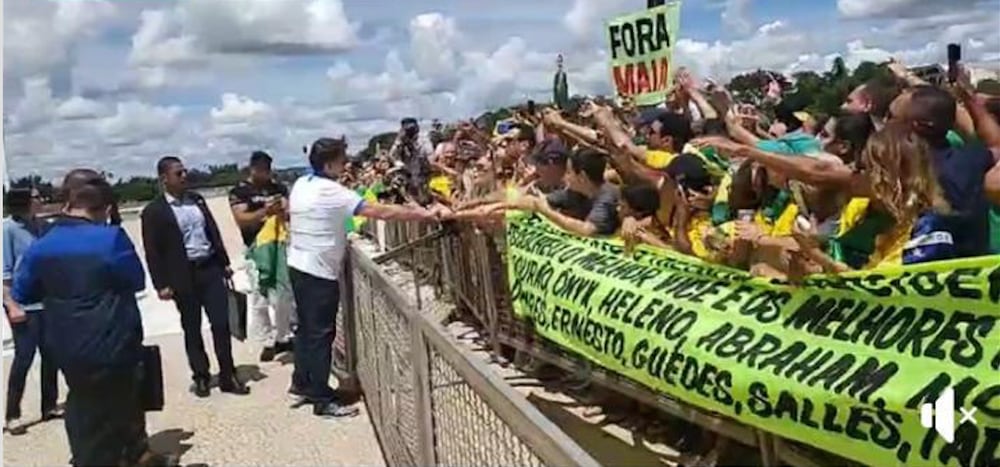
point(843, 363)
point(641, 46)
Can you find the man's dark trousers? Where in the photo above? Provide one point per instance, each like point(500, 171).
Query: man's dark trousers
point(105, 422)
point(316, 301)
point(27, 339)
point(209, 293)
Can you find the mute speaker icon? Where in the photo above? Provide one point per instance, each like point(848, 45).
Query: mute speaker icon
point(941, 415)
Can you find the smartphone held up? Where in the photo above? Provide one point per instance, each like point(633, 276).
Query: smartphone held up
point(954, 61)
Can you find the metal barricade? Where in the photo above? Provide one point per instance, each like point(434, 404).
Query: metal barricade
point(472, 270)
point(431, 401)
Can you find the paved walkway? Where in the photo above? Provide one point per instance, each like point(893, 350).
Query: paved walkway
point(259, 429)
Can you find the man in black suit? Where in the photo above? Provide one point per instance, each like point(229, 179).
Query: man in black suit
point(188, 264)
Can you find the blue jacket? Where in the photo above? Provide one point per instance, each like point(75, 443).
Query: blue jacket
point(87, 276)
point(17, 238)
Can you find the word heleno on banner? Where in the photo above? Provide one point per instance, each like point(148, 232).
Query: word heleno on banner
point(842, 363)
point(641, 48)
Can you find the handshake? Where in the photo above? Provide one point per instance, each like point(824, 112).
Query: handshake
point(483, 212)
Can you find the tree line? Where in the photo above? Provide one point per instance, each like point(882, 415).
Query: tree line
point(144, 188)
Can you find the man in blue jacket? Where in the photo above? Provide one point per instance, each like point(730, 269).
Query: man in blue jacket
point(86, 273)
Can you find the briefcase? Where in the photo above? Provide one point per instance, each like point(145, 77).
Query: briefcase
point(237, 313)
point(151, 386)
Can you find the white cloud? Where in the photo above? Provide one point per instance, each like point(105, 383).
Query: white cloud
point(241, 117)
point(267, 26)
point(135, 122)
point(449, 80)
point(236, 108)
point(79, 108)
point(736, 15)
point(771, 27)
point(433, 38)
point(35, 108)
point(79, 19)
point(899, 8)
point(39, 35)
point(773, 46)
point(180, 46)
point(157, 42)
point(584, 16)
point(395, 82)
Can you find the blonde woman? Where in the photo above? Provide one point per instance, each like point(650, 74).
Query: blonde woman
point(906, 217)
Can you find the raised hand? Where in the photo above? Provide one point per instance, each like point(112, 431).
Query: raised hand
point(720, 143)
point(897, 68)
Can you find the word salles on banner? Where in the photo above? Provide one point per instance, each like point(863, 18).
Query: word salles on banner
point(842, 363)
point(641, 46)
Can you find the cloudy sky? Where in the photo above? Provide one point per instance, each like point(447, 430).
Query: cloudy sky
point(114, 84)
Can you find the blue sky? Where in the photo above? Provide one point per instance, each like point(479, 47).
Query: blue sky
point(116, 84)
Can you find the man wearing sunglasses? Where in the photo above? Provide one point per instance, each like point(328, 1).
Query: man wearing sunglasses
point(188, 264)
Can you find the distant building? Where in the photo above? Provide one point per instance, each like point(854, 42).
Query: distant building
point(984, 70)
point(978, 71)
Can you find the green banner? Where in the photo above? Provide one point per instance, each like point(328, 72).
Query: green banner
point(641, 49)
point(843, 363)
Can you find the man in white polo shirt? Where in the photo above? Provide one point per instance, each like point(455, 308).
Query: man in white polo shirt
point(320, 208)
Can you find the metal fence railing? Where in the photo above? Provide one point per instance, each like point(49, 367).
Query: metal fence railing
point(431, 401)
point(469, 265)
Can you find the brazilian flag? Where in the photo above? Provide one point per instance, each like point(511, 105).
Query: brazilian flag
point(268, 254)
point(370, 195)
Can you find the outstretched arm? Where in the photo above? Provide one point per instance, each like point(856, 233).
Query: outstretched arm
point(391, 212)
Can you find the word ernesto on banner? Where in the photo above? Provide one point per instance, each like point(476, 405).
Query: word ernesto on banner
point(843, 363)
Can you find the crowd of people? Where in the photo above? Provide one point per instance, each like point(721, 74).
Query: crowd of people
point(907, 172)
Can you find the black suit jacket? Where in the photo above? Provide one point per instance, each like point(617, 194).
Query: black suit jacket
point(166, 257)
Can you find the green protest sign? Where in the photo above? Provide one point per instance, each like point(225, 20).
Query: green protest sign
point(641, 49)
point(843, 363)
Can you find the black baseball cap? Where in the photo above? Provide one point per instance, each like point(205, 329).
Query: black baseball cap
point(550, 152)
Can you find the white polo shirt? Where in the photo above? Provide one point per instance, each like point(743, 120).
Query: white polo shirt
point(319, 209)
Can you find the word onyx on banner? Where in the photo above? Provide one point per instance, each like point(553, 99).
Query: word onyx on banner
point(843, 363)
point(640, 47)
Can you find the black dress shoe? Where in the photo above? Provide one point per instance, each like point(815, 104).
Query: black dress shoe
point(201, 388)
point(232, 385)
point(334, 410)
point(16, 427)
point(282, 347)
point(153, 459)
point(296, 391)
point(52, 414)
point(268, 353)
